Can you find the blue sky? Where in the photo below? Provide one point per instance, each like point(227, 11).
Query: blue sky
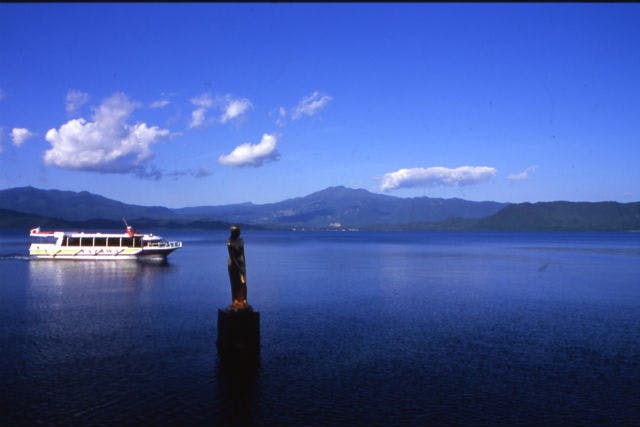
point(207, 104)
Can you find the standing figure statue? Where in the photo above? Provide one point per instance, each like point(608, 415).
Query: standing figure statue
point(237, 271)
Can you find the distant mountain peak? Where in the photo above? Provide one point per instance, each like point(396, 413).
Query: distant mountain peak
point(334, 189)
point(341, 190)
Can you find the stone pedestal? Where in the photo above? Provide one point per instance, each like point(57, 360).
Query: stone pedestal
point(238, 331)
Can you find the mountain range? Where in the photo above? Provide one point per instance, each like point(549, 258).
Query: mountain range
point(347, 207)
point(331, 208)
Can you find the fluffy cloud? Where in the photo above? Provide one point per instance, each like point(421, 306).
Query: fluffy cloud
point(436, 176)
point(252, 154)
point(234, 108)
point(75, 100)
point(310, 105)
point(525, 174)
point(20, 135)
point(107, 144)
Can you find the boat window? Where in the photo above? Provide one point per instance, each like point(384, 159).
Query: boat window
point(86, 241)
point(74, 241)
point(100, 241)
point(46, 239)
point(137, 242)
point(127, 241)
point(65, 241)
point(113, 241)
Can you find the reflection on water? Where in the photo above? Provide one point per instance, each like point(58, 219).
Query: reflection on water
point(63, 274)
point(111, 342)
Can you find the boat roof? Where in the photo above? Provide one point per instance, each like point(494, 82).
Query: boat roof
point(57, 234)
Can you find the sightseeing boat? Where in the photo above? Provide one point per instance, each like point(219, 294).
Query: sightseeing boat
point(99, 246)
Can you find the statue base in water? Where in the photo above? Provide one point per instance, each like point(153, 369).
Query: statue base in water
point(238, 330)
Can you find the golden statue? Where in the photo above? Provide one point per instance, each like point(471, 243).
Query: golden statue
point(237, 271)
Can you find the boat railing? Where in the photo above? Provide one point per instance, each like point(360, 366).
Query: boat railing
point(163, 244)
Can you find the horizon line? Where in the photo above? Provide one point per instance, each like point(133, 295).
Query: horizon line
point(318, 191)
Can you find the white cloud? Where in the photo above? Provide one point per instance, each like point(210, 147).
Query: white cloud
point(20, 135)
point(234, 108)
point(230, 108)
point(160, 103)
point(75, 100)
point(107, 144)
point(310, 105)
point(436, 176)
point(197, 117)
point(203, 102)
point(252, 154)
point(525, 174)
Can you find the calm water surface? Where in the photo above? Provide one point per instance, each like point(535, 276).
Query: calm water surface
point(357, 329)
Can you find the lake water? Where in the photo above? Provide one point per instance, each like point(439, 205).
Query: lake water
point(356, 329)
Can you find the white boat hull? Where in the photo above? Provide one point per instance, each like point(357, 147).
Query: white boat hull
point(97, 254)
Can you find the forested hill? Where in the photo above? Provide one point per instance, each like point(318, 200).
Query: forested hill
point(75, 206)
point(565, 216)
point(14, 219)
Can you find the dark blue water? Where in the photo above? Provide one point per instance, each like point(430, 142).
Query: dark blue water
point(357, 329)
